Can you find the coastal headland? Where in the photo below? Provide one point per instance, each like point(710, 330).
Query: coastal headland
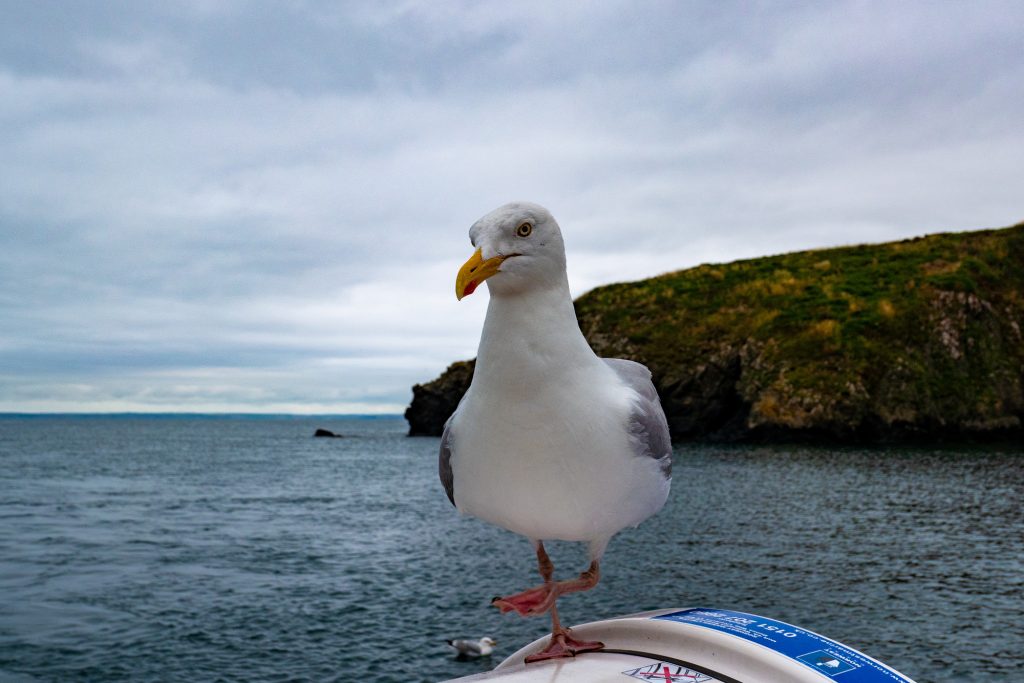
point(920, 340)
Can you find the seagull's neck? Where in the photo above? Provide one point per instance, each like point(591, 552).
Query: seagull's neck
point(530, 336)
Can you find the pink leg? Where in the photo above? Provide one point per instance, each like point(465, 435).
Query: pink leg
point(533, 601)
point(540, 599)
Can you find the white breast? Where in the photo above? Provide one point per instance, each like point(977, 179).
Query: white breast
point(553, 460)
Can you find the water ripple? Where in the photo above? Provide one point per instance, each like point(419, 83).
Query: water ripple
point(239, 550)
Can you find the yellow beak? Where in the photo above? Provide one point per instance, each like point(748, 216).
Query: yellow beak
point(473, 272)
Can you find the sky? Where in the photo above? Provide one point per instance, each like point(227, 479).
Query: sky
point(221, 206)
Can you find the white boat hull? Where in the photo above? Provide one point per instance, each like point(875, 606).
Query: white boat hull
point(697, 645)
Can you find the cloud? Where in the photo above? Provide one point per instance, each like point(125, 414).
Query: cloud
point(210, 207)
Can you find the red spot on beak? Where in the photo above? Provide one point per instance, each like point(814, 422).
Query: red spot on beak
point(471, 287)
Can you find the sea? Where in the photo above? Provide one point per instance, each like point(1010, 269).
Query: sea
point(204, 548)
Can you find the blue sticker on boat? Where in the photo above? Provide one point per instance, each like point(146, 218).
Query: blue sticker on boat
point(827, 657)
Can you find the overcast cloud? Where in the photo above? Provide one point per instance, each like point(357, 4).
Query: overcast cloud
point(261, 207)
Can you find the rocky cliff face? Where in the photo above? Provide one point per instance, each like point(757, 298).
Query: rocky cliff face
point(433, 402)
point(914, 340)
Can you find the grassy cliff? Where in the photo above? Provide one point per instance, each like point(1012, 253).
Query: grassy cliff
point(918, 339)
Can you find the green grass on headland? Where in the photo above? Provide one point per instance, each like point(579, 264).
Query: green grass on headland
point(915, 336)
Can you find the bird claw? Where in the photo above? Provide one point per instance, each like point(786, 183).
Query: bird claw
point(564, 645)
point(529, 603)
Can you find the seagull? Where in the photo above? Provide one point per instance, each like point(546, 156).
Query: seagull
point(550, 441)
point(473, 648)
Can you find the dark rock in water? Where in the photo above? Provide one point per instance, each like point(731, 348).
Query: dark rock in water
point(920, 340)
point(433, 402)
point(327, 433)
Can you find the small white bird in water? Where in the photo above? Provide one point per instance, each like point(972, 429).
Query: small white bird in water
point(550, 441)
point(473, 648)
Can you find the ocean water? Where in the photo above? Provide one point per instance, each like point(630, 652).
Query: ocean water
point(149, 549)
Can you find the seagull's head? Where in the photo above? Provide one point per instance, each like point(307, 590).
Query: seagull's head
point(519, 247)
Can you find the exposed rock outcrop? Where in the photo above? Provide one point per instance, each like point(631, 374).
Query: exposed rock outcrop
point(433, 402)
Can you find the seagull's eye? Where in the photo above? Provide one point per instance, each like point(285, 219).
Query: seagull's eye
point(524, 230)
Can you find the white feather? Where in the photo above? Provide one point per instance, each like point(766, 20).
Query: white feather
point(540, 445)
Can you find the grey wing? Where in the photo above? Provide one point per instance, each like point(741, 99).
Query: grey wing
point(647, 424)
point(444, 459)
